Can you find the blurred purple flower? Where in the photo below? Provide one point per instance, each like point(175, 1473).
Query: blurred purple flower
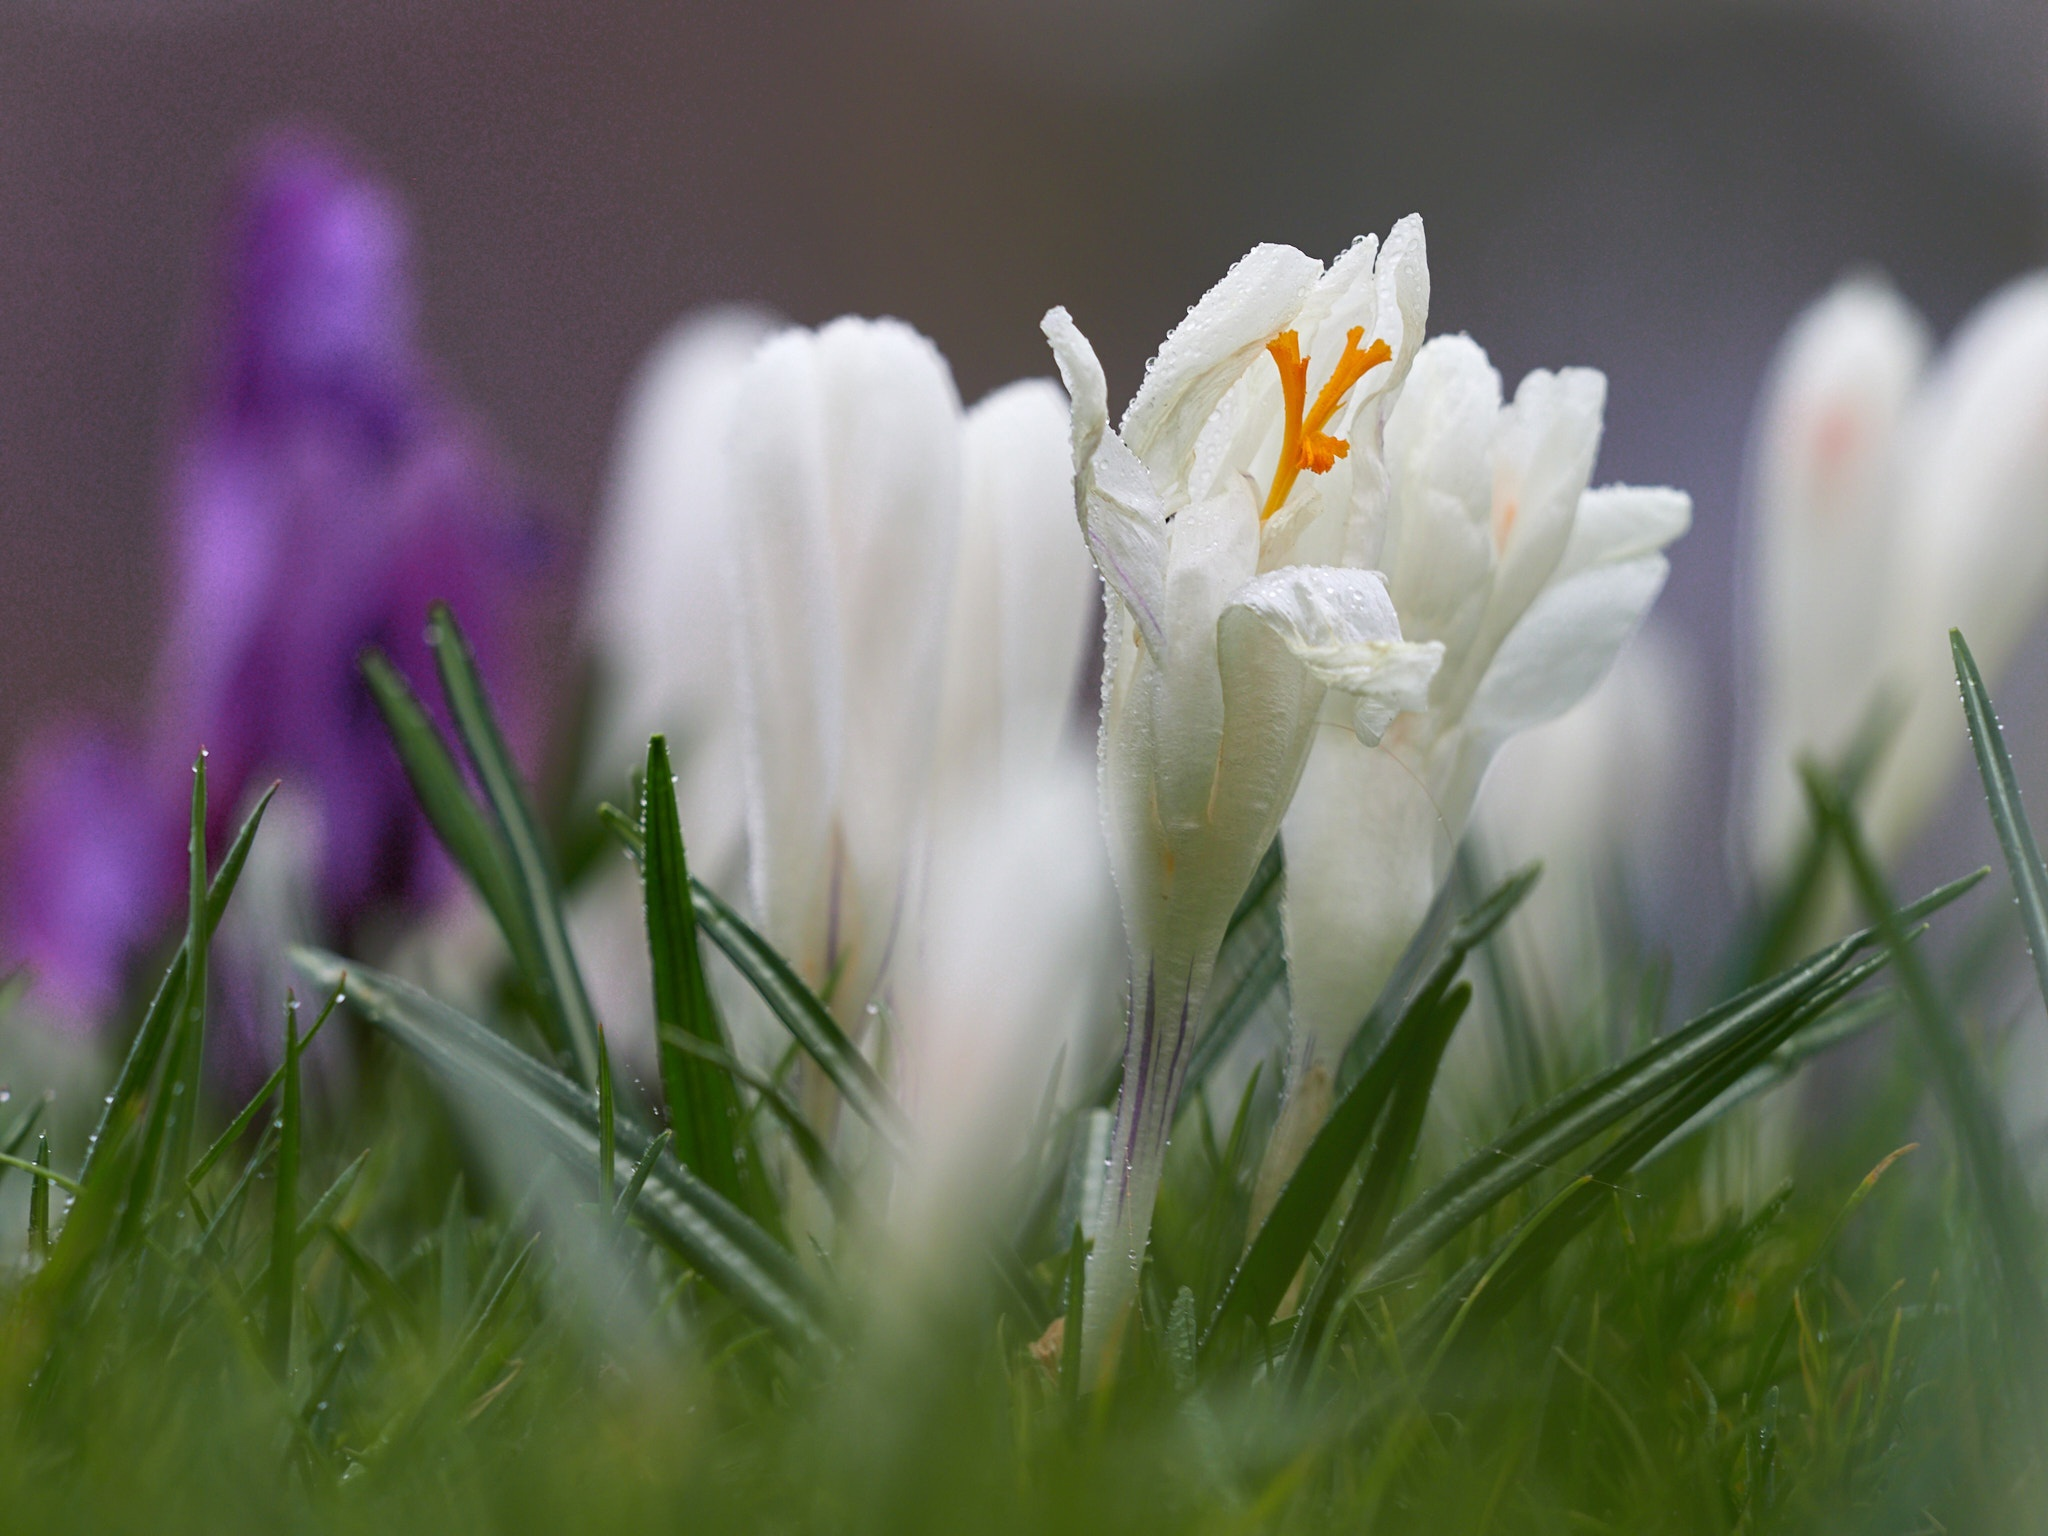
point(326, 489)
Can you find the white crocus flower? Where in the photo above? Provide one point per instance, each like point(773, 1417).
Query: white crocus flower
point(854, 476)
point(1495, 550)
point(658, 614)
point(1825, 542)
point(1229, 470)
point(1888, 503)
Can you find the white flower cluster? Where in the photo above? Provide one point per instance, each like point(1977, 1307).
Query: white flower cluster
point(1341, 566)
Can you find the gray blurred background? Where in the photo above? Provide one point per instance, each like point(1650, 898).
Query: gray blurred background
point(1652, 188)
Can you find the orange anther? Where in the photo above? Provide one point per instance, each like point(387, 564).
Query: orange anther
point(1304, 444)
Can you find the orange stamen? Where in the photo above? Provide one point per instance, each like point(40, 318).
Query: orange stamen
point(1304, 444)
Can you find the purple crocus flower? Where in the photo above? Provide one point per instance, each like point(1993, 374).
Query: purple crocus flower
point(327, 488)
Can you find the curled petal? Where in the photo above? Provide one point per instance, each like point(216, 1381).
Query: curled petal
point(1340, 624)
point(1209, 350)
point(1120, 510)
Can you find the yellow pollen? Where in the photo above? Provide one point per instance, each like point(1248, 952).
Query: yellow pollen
point(1304, 444)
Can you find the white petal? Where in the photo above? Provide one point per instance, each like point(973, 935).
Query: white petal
point(1403, 277)
point(787, 599)
point(1438, 548)
point(1208, 351)
point(1214, 553)
point(1976, 548)
point(1009, 979)
point(1081, 373)
point(1120, 512)
point(1622, 522)
point(659, 609)
point(1022, 590)
point(1365, 848)
point(1543, 457)
point(1563, 645)
point(893, 432)
point(1823, 535)
point(1341, 625)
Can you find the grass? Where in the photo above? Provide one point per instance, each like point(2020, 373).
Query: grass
point(499, 1287)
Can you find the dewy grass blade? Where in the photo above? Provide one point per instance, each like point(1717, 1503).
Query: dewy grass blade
point(1523, 1256)
point(168, 1118)
point(532, 869)
point(146, 1048)
point(1070, 1335)
point(1372, 1208)
point(1971, 1112)
point(464, 827)
point(241, 1123)
point(198, 936)
point(39, 1202)
point(703, 1107)
point(607, 1126)
point(800, 1012)
point(1578, 1116)
point(1255, 1290)
point(280, 1292)
point(726, 1246)
point(623, 1206)
point(2008, 815)
point(809, 1145)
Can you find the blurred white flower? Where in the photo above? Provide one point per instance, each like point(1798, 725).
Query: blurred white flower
point(1495, 551)
point(1221, 642)
point(658, 616)
point(1888, 502)
point(1005, 983)
point(659, 610)
point(854, 476)
point(1592, 794)
point(1023, 594)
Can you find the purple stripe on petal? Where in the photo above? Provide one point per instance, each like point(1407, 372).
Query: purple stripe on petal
point(1142, 1036)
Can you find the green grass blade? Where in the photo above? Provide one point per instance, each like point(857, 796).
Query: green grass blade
point(2008, 815)
point(1972, 1113)
point(532, 869)
point(198, 936)
point(809, 1145)
point(797, 1006)
point(463, 827)
point(607, 1126)
point(1372, 1207)
point(1070, 1336)
point(726, 1246)
point(703, 1107)
point(170, 1113)
point(1419, 962)
point(146, 1048)
point(1583, 1113)
point(1270, 1263)
point(280, 1291)
point(39, 1202)
point(238, 1126)
point(1527, 1252)
point(316, 1219)
point(622, 1207)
